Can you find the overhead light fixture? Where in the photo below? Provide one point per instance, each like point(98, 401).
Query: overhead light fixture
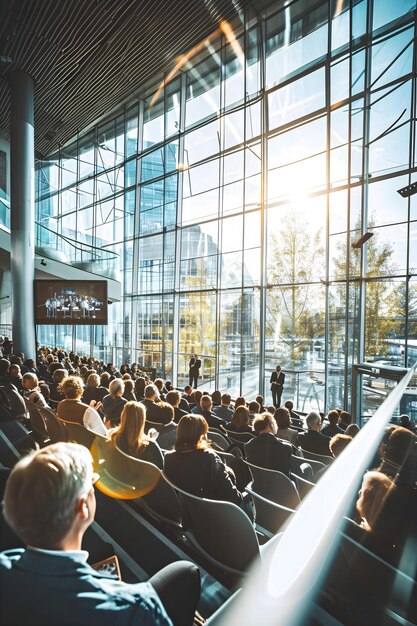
point(410, 190)
point(358, 244)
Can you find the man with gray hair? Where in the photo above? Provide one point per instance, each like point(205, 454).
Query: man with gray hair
point(50, 502)
point(313, 440)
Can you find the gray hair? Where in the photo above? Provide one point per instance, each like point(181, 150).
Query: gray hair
point(42, 491)
point(93, 381)
point(116, 386)
point(151, 391)
point(313, 419)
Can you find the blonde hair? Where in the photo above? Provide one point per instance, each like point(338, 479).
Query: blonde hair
point(42, 491)
point(71, 387)
point(129, 435)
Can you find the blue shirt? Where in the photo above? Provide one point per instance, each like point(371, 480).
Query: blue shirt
point(39, 587)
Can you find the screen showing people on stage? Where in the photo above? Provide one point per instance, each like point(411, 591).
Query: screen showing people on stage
point(70, 302)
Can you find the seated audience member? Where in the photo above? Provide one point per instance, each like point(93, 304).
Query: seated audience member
point(352, 430)
point(266, 450)
point(345, 419)
point(240, 422)
point(296, 421)
point(224, 411)
point(140, 384)
point(173, 398)
point(46, 392)
point(216, 396)
point(73, 410)
point(331, 427)
point(105, 380)
point(313, 440)
point(31, 390)
point(114, 402)
point(152, 402)
point(159, 384)
point(165, 426)
point(57, 378)
point(93, 391)
point(30, 366)
point(372, 496)
point(205, 409)
point(124, 369)
point(129, 393)
point(282, 418)
point(130, 436)
point(240, 401)
point(49, 503)
point(197, 469)
point(196, 395)
point(160, 416)
point(4, 367)
point(188, 397)
point(380, 532)
point(260, 400)
point(254, 410)
point(14, 377)
point(338, 443)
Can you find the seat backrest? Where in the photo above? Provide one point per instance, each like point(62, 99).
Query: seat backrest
point(304, 486)
point(270, 517)
point(274, 486)
point(322, 458)
point(122, 476)
point(297, 461)
point(79, 433)
point(15, 401)
point(36, 421)
point(239, 437)
point(234, 544)
point(219, 440)
point(164, 503)
point(369, 586)
point(54, 426)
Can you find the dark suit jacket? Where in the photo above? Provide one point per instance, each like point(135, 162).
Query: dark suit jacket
point(64, 591)
point(268, 451)
point(277, 380)
point(201, 473)
point(330, 430)
point(195, 365)
point(315, 442)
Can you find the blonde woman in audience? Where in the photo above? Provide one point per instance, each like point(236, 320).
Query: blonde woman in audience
point(130, 436)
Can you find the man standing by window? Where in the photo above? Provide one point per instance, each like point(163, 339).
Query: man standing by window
point(194, 370)
point(277, 384)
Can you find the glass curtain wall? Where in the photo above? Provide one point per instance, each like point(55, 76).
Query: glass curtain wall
point(229, 196)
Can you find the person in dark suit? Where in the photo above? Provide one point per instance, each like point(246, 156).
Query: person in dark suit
point(266, 450)
point(205, 409)
point(313, 440)
point(49, 503)
point(173, 398)
point(194, 370)
point(277, 385)
point(197, 469)
point(331, 428)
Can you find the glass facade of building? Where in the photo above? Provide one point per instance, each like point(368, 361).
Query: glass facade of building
point(228, 195)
